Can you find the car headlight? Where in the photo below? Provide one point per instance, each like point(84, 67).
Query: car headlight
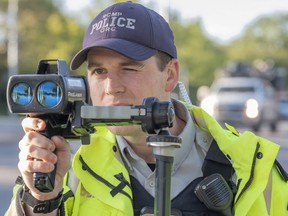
point(208, 104)
point(252, 108)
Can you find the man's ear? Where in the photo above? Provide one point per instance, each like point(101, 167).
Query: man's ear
point(173, 74)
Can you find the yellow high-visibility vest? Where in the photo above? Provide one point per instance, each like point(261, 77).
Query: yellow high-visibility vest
point(262, 190)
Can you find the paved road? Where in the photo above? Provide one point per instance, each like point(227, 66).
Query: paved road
point(11, 133)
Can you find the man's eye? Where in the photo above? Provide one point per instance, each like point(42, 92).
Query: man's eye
point(99, 71)
point(130, 69)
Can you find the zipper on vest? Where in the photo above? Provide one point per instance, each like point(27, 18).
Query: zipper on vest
point(115, 189)
point(251, 173)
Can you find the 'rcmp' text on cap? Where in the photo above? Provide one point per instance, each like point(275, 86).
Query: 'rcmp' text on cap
point(129, 29)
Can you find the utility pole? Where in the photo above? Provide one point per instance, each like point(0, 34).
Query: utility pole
point(12, 48)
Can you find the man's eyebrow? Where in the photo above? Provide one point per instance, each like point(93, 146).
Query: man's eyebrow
point(132, 63)
point(123, 63)
point(90, 64)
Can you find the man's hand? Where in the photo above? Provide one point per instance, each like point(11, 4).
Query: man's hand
point(47, 151)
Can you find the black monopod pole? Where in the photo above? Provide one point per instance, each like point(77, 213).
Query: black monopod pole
point(163, 145)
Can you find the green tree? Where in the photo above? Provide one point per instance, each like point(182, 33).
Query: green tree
point(198, 55)
point(266, 38)
point(45, 33)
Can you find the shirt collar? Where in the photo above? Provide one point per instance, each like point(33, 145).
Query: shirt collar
point(187, 135)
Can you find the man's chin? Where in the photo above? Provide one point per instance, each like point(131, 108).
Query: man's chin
point(131, 130)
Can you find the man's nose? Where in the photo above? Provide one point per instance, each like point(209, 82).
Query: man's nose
point(113, 85)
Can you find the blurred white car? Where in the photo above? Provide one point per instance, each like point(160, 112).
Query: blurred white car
point(242, 101)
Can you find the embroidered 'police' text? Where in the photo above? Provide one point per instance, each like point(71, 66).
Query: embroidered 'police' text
point(111, 21)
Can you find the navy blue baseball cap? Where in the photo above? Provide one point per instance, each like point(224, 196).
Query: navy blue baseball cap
point(129, 29)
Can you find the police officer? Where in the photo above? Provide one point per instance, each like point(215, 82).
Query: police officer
point(130, 54)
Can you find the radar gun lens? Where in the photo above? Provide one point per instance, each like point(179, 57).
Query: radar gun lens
point(21, 94)
point(49, 94)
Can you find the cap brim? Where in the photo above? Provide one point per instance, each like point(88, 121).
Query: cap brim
point(127, 48)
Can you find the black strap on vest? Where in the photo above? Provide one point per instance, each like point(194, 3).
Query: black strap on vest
point(114, 189)
point(187, 202)
point(216, 162)
point(281, 171)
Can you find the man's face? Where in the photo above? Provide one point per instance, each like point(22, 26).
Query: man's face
point(116, 80)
